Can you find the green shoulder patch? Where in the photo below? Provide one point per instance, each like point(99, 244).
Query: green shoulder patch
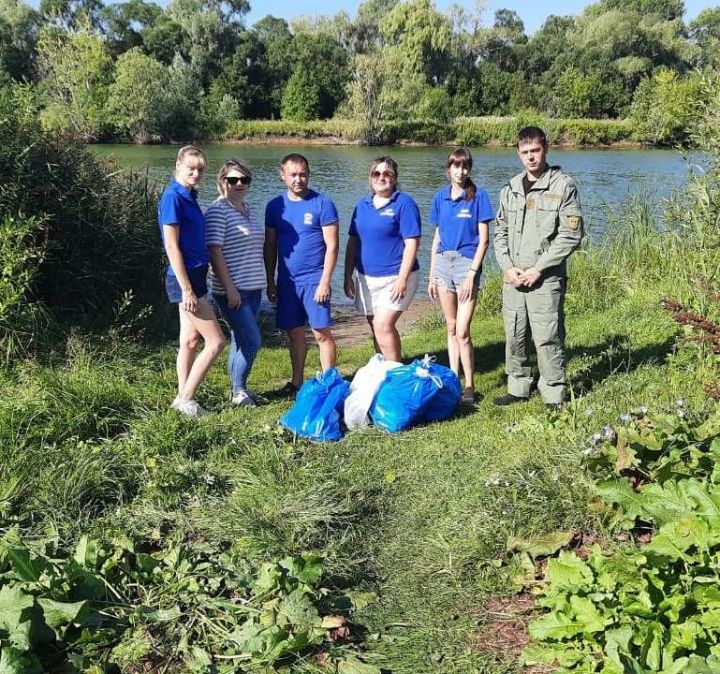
point(574, 221)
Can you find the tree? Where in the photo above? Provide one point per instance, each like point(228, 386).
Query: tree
point(19, 25)
point(301, 98)
point(165, 38)
point(124, 22)
point(212, 28)
point(138, 99)
point(77, 71)
point(422, 35)
point(704, 32)
point(276, 39)
point(327, 65)
point(244, 77)
point(665, 105)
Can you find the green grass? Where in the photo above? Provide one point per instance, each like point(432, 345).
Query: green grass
point(407, 516)
point(419, 519)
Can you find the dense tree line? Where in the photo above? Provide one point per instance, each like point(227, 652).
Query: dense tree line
point(137, 71)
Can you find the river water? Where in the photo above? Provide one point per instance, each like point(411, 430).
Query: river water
point(606, 178)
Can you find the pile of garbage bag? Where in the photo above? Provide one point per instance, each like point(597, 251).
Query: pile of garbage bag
point(390, 395)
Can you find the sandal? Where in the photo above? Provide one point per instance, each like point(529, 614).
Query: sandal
point(468, 395)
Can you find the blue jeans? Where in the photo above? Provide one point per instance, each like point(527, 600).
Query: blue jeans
point(244, 335)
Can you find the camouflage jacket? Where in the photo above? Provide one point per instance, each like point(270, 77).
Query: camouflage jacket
point(541, 229)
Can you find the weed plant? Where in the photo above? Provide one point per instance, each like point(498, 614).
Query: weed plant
point(413, 528)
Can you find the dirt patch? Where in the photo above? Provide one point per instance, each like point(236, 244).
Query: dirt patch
point(505, 634)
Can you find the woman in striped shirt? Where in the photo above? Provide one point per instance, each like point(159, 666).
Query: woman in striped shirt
point(235, 241)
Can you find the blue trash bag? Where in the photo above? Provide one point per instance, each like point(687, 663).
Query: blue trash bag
point(318, 407)
point(414, 393)
point(447, 398)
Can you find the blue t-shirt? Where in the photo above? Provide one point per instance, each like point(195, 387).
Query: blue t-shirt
point(298, 228)
point(457, 220)
point(179, 206)
point(382, 232)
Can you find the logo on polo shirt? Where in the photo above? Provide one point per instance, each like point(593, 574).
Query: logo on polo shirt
point(308, 220)
point(389, 212)
point(464, 213)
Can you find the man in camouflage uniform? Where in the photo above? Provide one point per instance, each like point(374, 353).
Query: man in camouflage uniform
point(538, 226)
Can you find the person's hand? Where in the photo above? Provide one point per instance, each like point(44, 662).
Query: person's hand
point(350, 288)
point(514, 276)
point(322, 292)
point(272, 292)
point(233, 298)
point(530, 277)
point(466, 288)
point(398, 290)
point(189, 301)
point(432, 290)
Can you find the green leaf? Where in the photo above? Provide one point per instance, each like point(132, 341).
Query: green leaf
point(28, 568)
point(586, 612)
point(618, 491)
point(568, 571)
point(58, 613)
point(555, 626)
point(298, 611)
point(13, 662)
point(652, 647)
point(16, 616)
point(353, 665)
point(87, 552)
point(684, 636)
point(540, 546)
point(617, 642)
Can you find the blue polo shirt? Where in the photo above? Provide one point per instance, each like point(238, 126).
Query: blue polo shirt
point(382, 232)
point(179, 207)
point(457, 220)
point(298, 227)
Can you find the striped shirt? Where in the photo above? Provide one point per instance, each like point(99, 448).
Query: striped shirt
point(241, 238)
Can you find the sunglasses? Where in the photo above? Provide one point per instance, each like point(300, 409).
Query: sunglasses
point(234, 180)
point(382, 174)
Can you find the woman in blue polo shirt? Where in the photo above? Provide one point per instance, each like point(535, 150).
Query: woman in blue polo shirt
point(182, 226)
point(381, 268)
point(460, 214)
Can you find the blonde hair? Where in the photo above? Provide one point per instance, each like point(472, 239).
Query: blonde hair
point(188, 151)
point(384, 159)
point(239, 164)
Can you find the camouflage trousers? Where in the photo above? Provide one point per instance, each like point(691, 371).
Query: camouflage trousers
point(536, 313)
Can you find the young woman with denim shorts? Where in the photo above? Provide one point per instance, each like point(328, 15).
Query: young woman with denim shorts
point(460, 213)
point(182, 226)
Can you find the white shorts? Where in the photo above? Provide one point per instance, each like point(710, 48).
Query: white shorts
point(373, 293)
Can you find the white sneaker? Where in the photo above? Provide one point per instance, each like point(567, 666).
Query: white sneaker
point(190, 408)
point(243, 399)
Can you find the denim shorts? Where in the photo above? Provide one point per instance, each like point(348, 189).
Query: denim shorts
point(198, 281)
point(450, 269)
point(296, 306)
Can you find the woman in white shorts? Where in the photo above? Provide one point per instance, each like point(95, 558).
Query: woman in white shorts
point(381, 268)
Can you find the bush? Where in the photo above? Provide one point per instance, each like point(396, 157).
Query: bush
point(22, 247)
point(96, 226)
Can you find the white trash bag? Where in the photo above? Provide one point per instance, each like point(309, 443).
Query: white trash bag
point(363, 388)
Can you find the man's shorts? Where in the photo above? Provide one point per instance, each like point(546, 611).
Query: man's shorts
point(296, 306)
point(450, 269)
point(198, 281)
point(373, 293)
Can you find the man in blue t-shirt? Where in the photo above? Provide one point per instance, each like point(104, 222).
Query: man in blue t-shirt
point(301, 241)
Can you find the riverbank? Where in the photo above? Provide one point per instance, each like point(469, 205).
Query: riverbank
point(472, 131)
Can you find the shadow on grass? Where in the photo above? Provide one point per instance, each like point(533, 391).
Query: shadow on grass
point(613, 356)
